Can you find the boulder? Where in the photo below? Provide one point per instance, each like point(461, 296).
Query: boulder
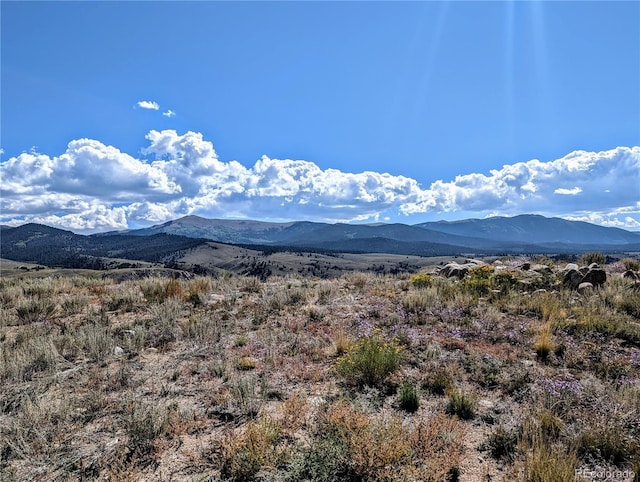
point(572, 278)
point(541, 268)
point(596, 276)
point(454, 269)
point(584, 288)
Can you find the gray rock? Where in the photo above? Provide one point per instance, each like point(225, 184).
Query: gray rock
point(541, 268)
point(584, 288)
point(118, 351)
point(454, 269)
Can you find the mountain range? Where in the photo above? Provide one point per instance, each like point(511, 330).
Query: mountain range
point(524, 233)
point(216, 239)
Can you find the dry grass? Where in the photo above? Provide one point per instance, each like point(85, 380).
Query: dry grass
point(363, 378)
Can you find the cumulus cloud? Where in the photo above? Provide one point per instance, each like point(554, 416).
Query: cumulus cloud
point(148, 104)
point(607, 181)
point(568, 192)
point(94, 187)
point(169, 113)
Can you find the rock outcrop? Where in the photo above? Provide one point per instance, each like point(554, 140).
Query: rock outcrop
point(591, 274)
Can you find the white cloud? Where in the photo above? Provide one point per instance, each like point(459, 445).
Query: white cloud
point(148, 104)
point(568, 192)
point(529, 186)
point(92, 186)
point(169, 113)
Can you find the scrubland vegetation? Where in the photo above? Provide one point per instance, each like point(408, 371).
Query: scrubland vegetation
point(504, 373)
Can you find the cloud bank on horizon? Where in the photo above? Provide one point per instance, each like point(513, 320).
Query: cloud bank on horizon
point(94, 187)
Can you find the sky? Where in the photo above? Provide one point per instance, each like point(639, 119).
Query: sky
point(118, 115)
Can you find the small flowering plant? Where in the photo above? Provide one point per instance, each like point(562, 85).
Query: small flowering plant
point(371, 359)
point(560, 393)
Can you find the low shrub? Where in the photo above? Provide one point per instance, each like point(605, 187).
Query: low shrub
point(34, 310)
point(422, 280)
point(325, 459)
point(461, 404)
point(592, 257)
point(502, 444)
point(384, 448)
point(370, 360)
point(242, 454)
point(409, 397)
point(544, 343)
point(73, 305)
point(438, 381)
point(608, 444)
point(631, 264)
point(144, 424)
point(545, 463)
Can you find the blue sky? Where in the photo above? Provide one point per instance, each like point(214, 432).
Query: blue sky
point(339, 111)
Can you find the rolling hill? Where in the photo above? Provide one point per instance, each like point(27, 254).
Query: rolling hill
point(56, 247)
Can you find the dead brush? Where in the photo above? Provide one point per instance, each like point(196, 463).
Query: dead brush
point(382, 447)
point(545, 460)
point(544, 343)
point(242, 453)
point(39, 430)
point(197, 290)
point(325, 291)
point(156, 290)
point(342, 342)
point(356, 280)
point(294, 412)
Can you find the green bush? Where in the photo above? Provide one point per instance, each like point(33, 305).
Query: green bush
point(606, 442)
point(409, 398)
point(503, 281)
point(502, 443)
point(326, 459)
point(478, 281)
point(370, 360)
point(592, 257)
point(477, 287)
point(461, 404)
point(438, 381)
point(421, 280)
